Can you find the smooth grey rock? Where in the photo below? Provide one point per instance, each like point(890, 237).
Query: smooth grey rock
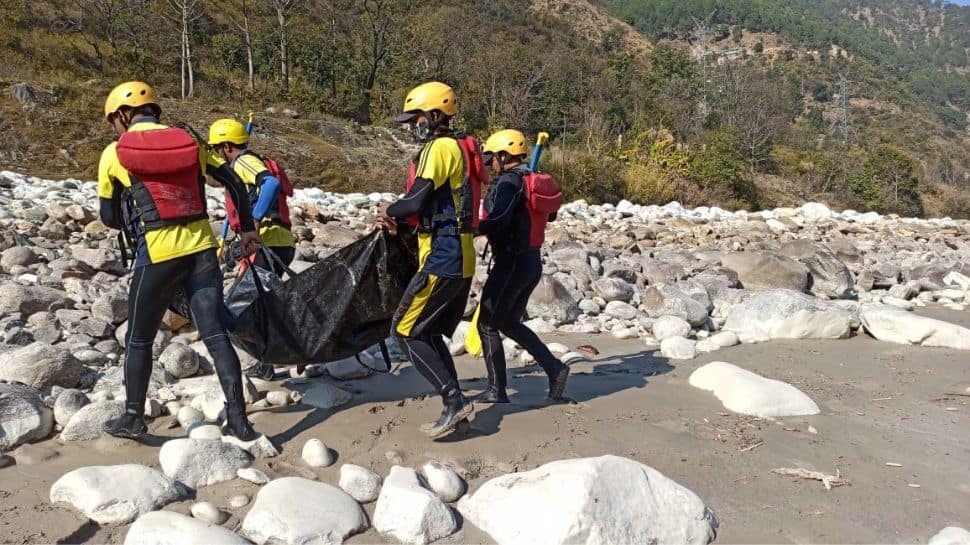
point(613, 289)
point(88, 422)
point(444, 481)
point(30, 299)
point(68, 403)
point(41, 366)
point(115, 494)
point(18, 256)
point(361, 483)
point(670, 326)
point(670, 300)
point(620, 310)
point(23, 416)
point(829, 276)
point(552, 301)
point(201, 462)
point(179, 360)
point(767, 270)
point(787, 314)
point(170, 528)
point(112, 307)
point(410, 513)
point(296, 511)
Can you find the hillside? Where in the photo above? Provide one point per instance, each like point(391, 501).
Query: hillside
point(639, 108)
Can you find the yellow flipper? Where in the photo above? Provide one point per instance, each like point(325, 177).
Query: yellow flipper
point(473, 343)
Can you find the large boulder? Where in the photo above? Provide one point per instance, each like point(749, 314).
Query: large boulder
point(552, 301)
point(670, 300)
point(115, 494)
point(88, 422)
point(297, 511)
point(361, 483)
point(899, 326)
point(748, 393)
point(951, 535)
point(99, 259)
point(41, 366)
point(179, 360)
point(829, 276)
point(596, 501)
point(30, 299)
point(23, 416)
point(670, 326)
point(18, 256)
point(613, 289)
point(767, 270)
point(67, 404)
point(112, 307)
point(787, 314)
point(410, 513)
point(169, 528)
point(201, 462)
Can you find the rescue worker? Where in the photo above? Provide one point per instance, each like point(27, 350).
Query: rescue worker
point(230, 140)
point(516, 270)
point(151, 187)
point(434, 301)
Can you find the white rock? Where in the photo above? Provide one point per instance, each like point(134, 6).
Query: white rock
point(621, 310)
point(724, 339)
point(557, 349)
point(201, 462)
point(239, 500)
point(954, 278)
point(179, 360)
point(169, 528)
point(665, 327)
point(189, 416)
point(361, 483)
point(444, 481)
point(88, 423)
point(115, 494)
point(625, 333)
point(68, 403)
point(787, 314)
point(207, 511)
point(205, 431)
point(347, 369)
point(596, 501)
point(296, 511)
point(23, 416)
point(261, 447)
point(951, 535)
point(278, 398)
point(409, 513)
point(570, 358)
point(901, 327)
point(252, 475)
point(316, 454)
point(678, 348)
point(744, 392)
point(815, 212)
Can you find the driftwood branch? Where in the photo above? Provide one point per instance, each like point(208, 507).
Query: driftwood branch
point(828, 480)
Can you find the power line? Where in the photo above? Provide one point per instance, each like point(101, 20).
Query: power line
point(842, 124)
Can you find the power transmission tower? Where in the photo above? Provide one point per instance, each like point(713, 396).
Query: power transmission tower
point(701, 40)
point(841, 125)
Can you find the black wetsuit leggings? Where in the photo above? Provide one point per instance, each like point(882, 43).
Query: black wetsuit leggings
point(504, 298)
point(153, 288)
point(284, 253)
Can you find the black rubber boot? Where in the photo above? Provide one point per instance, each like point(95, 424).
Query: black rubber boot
point(456, 409)
point(492, 394)
point(557, 383)
point(238, 426)
point(261, 371)
point(129, 426)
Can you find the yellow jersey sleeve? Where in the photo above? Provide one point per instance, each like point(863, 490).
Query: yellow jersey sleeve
point(248, 167)
point(439, 161)
point(209, 158)
point(108, 171)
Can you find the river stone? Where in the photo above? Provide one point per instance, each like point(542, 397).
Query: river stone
point(410, 513)
point(297, 511)
point(597, 501)
point(767, 270)
point(30, 299)
point(68, 403)
point(901, 327)
point(951, 535)
point(88, 423)
point(678, 348)
point(179, 360)
point(620, 310)
point(361, 483)
point(206, 511)
point(787, 314)
point(316, 454)
point(552, 301)
point(444, 481)
point(115, 494)
point(828, 274)
point(670, 326)
point(41, 366)
point(23, 416)
point(201, 462)
point(169, 528)
point(670, 300)
point(613, 289)
point(21, 256)
point(744, 392)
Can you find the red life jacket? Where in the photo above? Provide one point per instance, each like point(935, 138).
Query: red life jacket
point(167, 186)
point(543, 197)
point(469, 210)
point(279, 216)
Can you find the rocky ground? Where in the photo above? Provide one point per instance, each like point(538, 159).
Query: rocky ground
point(841, 416)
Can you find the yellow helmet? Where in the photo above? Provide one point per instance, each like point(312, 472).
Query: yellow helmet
point(510, 141)
point(428, 97)
point(228, 130)
point(131, 94)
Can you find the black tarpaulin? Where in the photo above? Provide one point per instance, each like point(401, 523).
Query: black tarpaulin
point(336, 308)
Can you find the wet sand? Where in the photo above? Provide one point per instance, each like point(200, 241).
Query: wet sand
point(880, 403)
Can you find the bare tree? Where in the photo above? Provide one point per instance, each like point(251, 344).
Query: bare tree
point(185, 13)
point(283, 10)
point(243, 9)
point(756, 106)
point(376, 19)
